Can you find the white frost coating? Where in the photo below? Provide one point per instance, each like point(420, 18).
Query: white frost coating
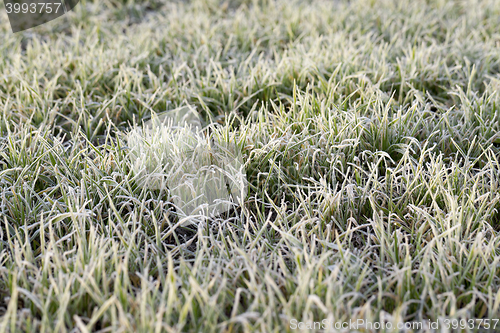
point(205, 174)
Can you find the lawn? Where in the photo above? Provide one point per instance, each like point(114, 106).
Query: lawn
point(369, 135)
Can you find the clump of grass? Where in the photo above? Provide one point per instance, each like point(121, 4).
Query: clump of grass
point(201, 167)
point(369, 132)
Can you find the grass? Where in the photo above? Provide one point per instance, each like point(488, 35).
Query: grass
point(370, 131)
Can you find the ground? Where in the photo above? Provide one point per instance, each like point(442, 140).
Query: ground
point(370, 131)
